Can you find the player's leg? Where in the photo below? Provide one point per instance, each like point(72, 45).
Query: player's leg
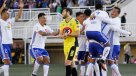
point(91, 67)
point(102, 39)
point(89, 70)
point(35, 68)
point(81, 55)
point(46, 61)
point(5, 52)
point(74, 59)
point(113, 60)
point(69, 60)
point(38, 60)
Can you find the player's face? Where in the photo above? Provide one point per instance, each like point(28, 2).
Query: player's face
point(6, 14)
point(43, 19)
point(114, 13)
point(80, 18)
point(64, 14)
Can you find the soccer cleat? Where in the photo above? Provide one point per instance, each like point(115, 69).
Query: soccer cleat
point(33, 75)
point(102, 64)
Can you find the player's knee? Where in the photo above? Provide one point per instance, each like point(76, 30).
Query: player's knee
point(82, 62)
point(110, 62)
point(46, 60)
point(40, 59)
point(6, 61)
point(107, 44)
point(68, 62)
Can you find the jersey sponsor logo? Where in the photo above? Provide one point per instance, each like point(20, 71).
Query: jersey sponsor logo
point(72, 53)
point(67, 30)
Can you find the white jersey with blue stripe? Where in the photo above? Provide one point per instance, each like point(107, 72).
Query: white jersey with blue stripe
point(6, 30)
point(115, 30)
point(114, 35)
point(38, 41)
point(82, 41)
point(96, 23)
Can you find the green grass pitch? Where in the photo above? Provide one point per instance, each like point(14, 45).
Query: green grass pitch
point(59, 70)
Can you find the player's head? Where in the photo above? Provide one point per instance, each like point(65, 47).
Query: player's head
point(87, 13)
point(98, 7)
point(115, 12)
point(5, 13)
point(66, 12)
point(42, 18)
point(80, 17)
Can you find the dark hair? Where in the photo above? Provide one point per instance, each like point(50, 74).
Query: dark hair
point(69, 10)
point(40, 15)
point(98, 6)
point(78, 14)
point(119, 10)
point(4, 10)
point(87, 12)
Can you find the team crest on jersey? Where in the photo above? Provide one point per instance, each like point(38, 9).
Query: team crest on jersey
point(67, 30)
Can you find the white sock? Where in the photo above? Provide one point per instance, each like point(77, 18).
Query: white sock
point(113, 73)
point(105, 52)
point(36, 67)
point(104, 73)
point(82, 70)
point(6, 70)
point(1, 69)
point(115, 69)
point(96, 68)
point(45, 69)
point(90, 70)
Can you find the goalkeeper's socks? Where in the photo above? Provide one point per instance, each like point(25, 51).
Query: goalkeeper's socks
point(74, 72)
point(68, 70)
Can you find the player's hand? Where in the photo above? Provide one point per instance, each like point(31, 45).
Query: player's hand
point(5, 1)
point(4, 4)
point(62, 36)
point(21, 4)
point(92, 16)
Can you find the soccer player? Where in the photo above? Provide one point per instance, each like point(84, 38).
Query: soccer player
point(37, 51)
point(114, 40)
point(95, 50)
point(82, 43)
point(69, 31)
point(6, 37)
point(93, 31)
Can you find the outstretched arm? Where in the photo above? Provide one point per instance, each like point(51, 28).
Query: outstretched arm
point(21, 5)
point(120, 30)
point(3, 6)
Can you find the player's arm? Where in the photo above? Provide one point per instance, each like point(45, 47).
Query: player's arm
point(83, 28)
point(55, 33)
point(105, 18)
point(61, 35)
point(3, 6)
point(21, 5)
point(44, 33)
point(120, 30)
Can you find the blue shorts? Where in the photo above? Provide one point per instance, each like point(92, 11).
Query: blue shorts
point(114, 52)
point(5, 51)
point(98, 36)
point(38, 52)
point(95, 49)
point(81, 55)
